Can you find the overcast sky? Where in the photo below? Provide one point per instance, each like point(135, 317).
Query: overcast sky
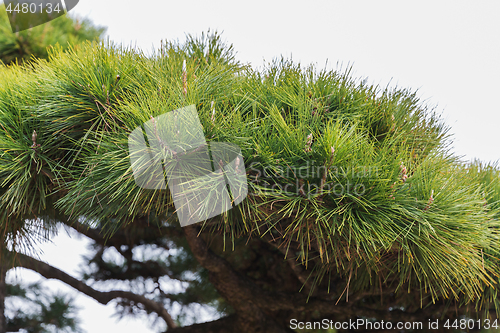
point(448, 50)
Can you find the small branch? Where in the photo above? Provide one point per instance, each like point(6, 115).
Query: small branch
point(103, 297)
point(122, 236)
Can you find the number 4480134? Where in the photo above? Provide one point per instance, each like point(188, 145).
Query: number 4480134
point(471, 324)
point(33, 8)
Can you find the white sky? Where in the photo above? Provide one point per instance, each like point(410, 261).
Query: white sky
point(448, 50)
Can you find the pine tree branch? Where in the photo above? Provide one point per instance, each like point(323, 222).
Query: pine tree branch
point(103, 297)
point(222, 325)
point(120, 237)
point(302, 275)
point(3, 294)
point(239, 291)
point(150, 268)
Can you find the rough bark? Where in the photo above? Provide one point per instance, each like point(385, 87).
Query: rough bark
point(222, 325)
point(243, 295)
point(3, 291)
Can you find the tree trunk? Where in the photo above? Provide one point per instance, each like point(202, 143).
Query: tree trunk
point(3, 289)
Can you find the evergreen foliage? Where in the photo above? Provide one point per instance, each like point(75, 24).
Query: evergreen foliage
point(64, 31)
point(353, 182)
point(40, 312)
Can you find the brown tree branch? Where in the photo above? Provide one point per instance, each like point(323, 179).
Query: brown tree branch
point(103, 297)
point(237, 289)
point(298, 269)
point(121, 237)
point(222, 325)
point(254, 306)
point(3, 294)
point(241, 292)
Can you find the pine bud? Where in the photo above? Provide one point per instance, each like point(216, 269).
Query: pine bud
point(403, 173)
point(213, 112)
point(431, 200)
point(184, 77)
point(308, 143)
point(33, 139)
